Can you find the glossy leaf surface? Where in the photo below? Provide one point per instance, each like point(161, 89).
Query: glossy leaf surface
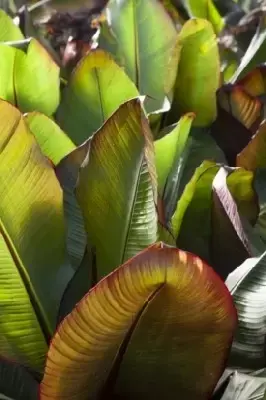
point(253, 156)
point(132, 334)
point(117, 188)
point(206, 9)
point(97, 87)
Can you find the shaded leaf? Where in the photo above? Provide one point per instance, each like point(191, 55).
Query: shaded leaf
point(253, 156)
point(33, 230)
point(227, 254)
point(67, 173)
point(97, 87)
point(243, 107)
point(255, 53)
point(254, 83)
point(247, 285)
point(54, 143)
point(259, 184)
point(168, 151)
point(138, 327)
point(117, 188)
point(16, 382)
point(196, 86)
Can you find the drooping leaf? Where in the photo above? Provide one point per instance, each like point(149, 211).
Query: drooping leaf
point(244, 387)
point(247, 285)
point(139, 329)
point(36, 80)
point(67, 173)
point(255, 53)
point(205, 9)
point(243, 107)
point(8, 30)
point(54, 143)
point(191, 221)
point(16, 382)
point(33, 241)
point(97, 87)
point(253, 156)
point(168, 151)
point(117, 188)
point(198, 74)
point(227, 254)
point(148, 56)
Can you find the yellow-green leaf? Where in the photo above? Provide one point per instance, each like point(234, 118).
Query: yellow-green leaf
point(117, 188)
point(207, 10)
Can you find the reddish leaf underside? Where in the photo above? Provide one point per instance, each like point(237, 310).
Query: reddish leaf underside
point(161, 324)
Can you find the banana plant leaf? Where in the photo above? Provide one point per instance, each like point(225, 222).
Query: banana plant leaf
point(16, 383)
point(245, 387)
point(54, 143)
point(137, 332)
point(259, 185)
point(255, 53)
point(254, 82)
point(148, 57)
point(169, 155)
point(196, 86)
point(67, 173)
point(96, 88)
point(246, 285)
point(205, 9)
point(8, 30)
point(34, 267)
point(117, 188)
point(245, 108)
point(252, 157)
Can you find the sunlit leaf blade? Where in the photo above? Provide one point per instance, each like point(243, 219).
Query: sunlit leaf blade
point(242, 106)
point(7, 59)
point(129, 327)
point(253, 156)
point(247, 285)
point(117, 188)
point(149, 58)
point(245, 387)
point(97, 87)
point(168, 151)
point(8, 30)
point(54, 143)
point(16, 382)
point(255, 53)
point(36, 80)
point(193, 212)
point(196, 85)
point(31, 212)
point(206, 9)
point(67, 173)
point(254, 83)
point(226, 254)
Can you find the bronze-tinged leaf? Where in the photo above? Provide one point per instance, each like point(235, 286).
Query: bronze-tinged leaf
point(161, 324)
point(245, 108)
point(254, 83)
point(253, 156)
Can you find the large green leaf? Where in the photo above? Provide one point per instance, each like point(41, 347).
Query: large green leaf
point(148, 56)
point(33, 243)
point(138, 330)
point(16, 382)
point(247, 285)
point(97, 87)
point(198, 74)
point(8, 30)
point(117, 188)
point(36, 80)
point(205, 9)
point(54, 143)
